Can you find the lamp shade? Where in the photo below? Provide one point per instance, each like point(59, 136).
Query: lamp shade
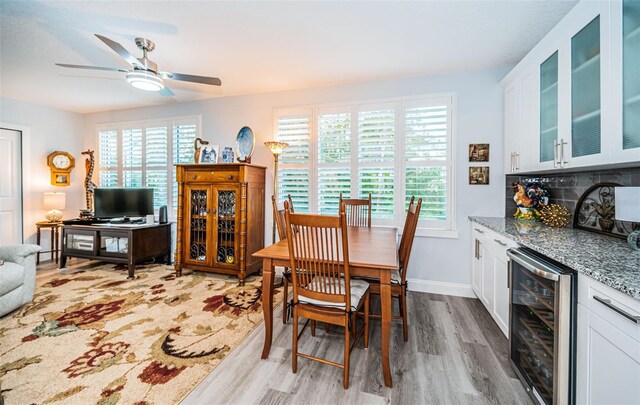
point(627, 204)
point(276, 147)
point(54, 201)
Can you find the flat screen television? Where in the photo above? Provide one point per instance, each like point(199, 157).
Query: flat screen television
point(122, 202)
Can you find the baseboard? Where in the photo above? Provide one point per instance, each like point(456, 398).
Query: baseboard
point(439, 287)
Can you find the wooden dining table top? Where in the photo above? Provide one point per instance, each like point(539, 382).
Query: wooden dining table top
point(369, 247)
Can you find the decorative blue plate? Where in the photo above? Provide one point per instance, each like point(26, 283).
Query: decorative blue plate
point(245, 143)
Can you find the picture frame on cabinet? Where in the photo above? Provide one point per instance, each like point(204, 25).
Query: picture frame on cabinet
point(479, 175)
point(478, 152)
point(209, 154)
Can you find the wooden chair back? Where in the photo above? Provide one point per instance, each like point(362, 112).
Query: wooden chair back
point(358, 211)
point(278, 216)
point(408, 234)
point(290, 203)
point(318, 248)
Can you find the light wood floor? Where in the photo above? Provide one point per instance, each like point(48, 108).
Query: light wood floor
point(455, 355)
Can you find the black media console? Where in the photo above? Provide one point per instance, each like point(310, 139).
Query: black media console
point(117, 243)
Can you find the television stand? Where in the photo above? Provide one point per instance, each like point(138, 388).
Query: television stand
point(117, 244)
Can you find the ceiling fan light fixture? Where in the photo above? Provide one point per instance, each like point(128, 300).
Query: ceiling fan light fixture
point(145, 81)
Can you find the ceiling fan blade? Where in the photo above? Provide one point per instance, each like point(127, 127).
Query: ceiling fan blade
point(120, 50)
point(91, 67)
point(214, 81)
point(166, 92)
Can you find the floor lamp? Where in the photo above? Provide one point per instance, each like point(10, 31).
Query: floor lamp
point(276, 148)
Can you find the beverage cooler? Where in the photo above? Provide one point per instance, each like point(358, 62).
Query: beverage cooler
point(542, 326)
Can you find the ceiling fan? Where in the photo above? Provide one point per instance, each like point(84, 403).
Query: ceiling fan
point(144, 74)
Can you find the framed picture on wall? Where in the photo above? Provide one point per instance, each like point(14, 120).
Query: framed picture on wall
point(209, 154)
point(479, 175)
point(478, 152)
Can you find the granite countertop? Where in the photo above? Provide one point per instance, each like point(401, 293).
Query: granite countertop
point(606, 259)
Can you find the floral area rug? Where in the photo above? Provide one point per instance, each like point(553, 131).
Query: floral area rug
point(93, 337)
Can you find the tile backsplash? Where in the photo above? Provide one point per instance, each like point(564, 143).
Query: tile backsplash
point(566, 188)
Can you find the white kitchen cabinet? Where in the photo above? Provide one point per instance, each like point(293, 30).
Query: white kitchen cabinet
point(567, 122)
point(511, 126)
point(489, 278)
point(625, 80)
point(608, 345)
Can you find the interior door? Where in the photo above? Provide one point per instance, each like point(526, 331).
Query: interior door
point(10, 187)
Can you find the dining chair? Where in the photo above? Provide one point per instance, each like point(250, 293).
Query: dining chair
point(399, 278)
point(278, 215)
point(358, 210)
point(322, 287)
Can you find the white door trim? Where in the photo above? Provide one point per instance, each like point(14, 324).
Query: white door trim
point(27, 221)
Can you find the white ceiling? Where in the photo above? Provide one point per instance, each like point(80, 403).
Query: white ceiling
point(254, 47)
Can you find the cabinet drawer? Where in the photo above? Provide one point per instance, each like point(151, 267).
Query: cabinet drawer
point(613, 306)
point(211, 176)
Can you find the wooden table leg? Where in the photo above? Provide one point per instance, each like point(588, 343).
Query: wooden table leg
point(267, 304)
point(385, 298)
point(53, 231)
point(38, 243)
point(56, 242)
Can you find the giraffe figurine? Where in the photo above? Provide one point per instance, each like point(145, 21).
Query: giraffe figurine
point(89, 185)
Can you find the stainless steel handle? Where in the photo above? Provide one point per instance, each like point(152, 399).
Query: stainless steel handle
point(512, 165)
point(475, 253)
point(555, 153)
point(562, 161)
point(509, 270)
point(607, 303)
point(479, 230)
point(501, 243)
point(517, 161)
point(533, 265)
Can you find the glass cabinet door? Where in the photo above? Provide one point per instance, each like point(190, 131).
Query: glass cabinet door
point(631, 74)
point(548, 108)
point(585, 91)
point(226, 221)
point(198, 224)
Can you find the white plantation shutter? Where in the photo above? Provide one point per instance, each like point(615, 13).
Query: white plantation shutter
point(184, 136)
point(391, 149)
point(132, 157)
point(107, 158)
point(428, 161)
point(376, 157)
point(156, 154)
point(334, 159)
point(144, 154)
point(293, 177)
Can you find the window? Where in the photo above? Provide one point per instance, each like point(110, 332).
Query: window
point(143, 154)
point(393, 149)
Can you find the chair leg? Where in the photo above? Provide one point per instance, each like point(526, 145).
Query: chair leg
point(285, 300)
point(366, 320)
point(294, 349)
point(313, 327)
point(403, 300)
point(347, 344)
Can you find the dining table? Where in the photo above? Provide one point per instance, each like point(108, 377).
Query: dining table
point(373, 253)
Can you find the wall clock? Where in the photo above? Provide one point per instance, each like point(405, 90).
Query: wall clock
point(60, 163)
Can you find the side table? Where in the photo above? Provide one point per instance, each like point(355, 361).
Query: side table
point(55, 238)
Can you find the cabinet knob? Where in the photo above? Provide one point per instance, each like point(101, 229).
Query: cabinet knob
point(230, 177)
point(195, 176)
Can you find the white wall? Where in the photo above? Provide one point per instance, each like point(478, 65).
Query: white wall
point(479, 120)
point(48, 130)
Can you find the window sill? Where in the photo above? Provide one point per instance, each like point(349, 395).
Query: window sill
point(437, 233)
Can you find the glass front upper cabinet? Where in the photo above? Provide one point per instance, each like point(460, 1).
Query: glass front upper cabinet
point(585, 91)
point(548, 107)
point(631, 74)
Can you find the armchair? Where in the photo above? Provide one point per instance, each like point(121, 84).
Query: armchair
point(17, 276)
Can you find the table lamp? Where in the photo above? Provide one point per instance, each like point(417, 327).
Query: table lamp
point(276, 148)
point(628, 209)
point(53, 203)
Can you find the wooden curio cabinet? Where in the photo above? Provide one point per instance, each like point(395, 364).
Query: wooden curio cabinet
point(220, 218)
